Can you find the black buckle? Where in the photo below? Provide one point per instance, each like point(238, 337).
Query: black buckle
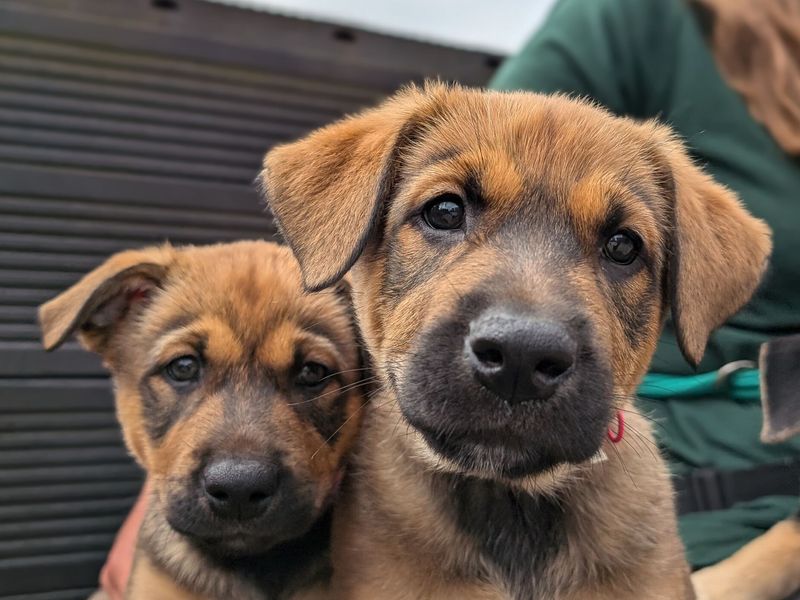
point(706, 490)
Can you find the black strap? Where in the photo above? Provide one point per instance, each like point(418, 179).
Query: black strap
point(713, 489)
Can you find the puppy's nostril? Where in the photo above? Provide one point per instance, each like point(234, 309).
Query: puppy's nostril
point(488, 354)
point(257, 497)
point(217, 493)
point(490, 357)
point(553, 368)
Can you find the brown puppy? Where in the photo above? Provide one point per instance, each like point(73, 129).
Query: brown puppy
point(238, 394)
point(513, 258)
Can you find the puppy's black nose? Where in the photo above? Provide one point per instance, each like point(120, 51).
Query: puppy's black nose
point(519, 358)
point(240, 488)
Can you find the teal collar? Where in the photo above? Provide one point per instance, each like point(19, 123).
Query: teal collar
point(738, 380)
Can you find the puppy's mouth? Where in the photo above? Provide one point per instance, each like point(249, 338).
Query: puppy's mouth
point(232, 544)
point(493, 408)
point(290, 516)
point(502, 453)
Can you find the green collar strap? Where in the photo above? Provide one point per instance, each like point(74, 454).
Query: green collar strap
point(738, 380)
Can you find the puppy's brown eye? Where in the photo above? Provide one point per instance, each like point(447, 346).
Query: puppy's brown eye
point(445, 212)
point(312, 375)
point(183, 369)
point(622, 247)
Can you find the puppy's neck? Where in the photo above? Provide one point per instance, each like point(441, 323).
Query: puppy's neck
point(275, 575)
point(594, 522)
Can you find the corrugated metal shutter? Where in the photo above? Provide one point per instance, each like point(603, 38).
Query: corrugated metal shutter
point(122, 124)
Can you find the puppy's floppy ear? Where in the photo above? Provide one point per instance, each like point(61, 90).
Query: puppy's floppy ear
point(719, 250)
point(103, 297)
point(327, 190)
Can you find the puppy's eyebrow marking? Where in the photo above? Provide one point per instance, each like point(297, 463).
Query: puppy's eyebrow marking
point(472, 185)
point(320, 329)
point(597, 202)
point(179, 322)
point(328, 335)
point(322, 340)
point(615, 213)
point(440, 156)
point(180, 334)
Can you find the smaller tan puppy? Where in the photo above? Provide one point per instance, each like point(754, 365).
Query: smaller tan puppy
point(239, 394)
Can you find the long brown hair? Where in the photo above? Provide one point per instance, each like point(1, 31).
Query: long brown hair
point(756, 44)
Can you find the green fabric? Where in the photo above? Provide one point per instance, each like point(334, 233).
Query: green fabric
point(740, 385)
point(649, 59)
point(718, 433)
point(712, 536)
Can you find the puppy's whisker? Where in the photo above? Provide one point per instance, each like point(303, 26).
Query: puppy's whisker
point(336, 392)
point(624, 467)
point(338, 429)
point(335, 373)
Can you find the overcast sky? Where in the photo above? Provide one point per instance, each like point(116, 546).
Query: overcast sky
point(499, 26)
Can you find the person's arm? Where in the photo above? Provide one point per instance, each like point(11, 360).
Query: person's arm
point(616, 52)
point(117, 570)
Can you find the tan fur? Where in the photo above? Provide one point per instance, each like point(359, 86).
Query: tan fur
point(768, 568)
point(341, 192)
point(243, 305)
point(148, 581)
point(390, 544)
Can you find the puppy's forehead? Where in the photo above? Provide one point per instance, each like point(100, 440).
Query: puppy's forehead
point(535, 126)
point(526, 144)
point(247, 290)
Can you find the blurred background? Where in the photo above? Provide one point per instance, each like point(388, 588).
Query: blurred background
point(499, 27)
point(130, 122)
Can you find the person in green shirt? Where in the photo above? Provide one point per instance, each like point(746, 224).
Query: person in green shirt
point(725, 74)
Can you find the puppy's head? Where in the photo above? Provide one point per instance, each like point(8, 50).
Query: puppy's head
point(515, 257)
point(236, 391)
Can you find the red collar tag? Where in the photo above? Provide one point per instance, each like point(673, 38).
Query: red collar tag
point(616, 438)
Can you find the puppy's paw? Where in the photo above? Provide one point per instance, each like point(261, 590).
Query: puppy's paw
point(715, 583)
point(768, 568)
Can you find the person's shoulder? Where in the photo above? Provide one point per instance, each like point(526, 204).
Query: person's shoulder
point(627, 27)
point(623, 11)
point(608, 50)
point(633, 27)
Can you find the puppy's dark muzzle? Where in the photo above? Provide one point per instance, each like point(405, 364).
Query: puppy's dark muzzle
point(509, 389)
point(517, 357)
point(237, 505)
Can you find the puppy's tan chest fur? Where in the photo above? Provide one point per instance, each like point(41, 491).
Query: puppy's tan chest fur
point(151, 583)
point(397, 536)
